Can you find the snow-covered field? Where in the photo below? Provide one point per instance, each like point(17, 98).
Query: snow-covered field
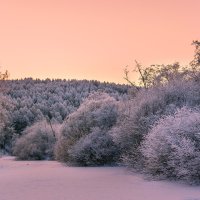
point(50, 180)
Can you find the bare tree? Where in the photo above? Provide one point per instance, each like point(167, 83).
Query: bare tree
point(161, 74)
point(155, 74)
point(142, 72)
point(196, 60)
point(195, 63)
point(4, 76)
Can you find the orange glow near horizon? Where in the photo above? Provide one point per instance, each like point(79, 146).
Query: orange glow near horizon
point(94, 39)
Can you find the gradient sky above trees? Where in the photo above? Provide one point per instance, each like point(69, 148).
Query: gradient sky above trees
point(94, 39)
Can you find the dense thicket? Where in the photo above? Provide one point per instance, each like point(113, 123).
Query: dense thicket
point(140, 114)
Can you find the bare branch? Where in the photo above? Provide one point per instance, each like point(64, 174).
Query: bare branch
point(126, 73)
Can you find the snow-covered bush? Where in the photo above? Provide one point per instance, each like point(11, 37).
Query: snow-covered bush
point(145, 109)
point(37, 142)
point(97, 148)
point(172, 148)
point(98, 110)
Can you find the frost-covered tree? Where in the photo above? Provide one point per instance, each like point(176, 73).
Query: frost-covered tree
point(172, 148)
point(96, 148)
point(99, 110)
point(37, 142)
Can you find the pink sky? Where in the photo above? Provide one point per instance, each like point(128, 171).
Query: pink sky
point(94, 39)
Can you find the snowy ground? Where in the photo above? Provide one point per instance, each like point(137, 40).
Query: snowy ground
point(49, 180)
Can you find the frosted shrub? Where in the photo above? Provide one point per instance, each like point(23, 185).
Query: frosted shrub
point(148, 107)
point(97, 148)
point(98, 110)
point(172, 148)
point(36, 143)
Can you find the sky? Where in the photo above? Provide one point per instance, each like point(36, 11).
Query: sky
point(94, 39)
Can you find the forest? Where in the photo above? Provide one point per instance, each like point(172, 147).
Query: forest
point(152, 126)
